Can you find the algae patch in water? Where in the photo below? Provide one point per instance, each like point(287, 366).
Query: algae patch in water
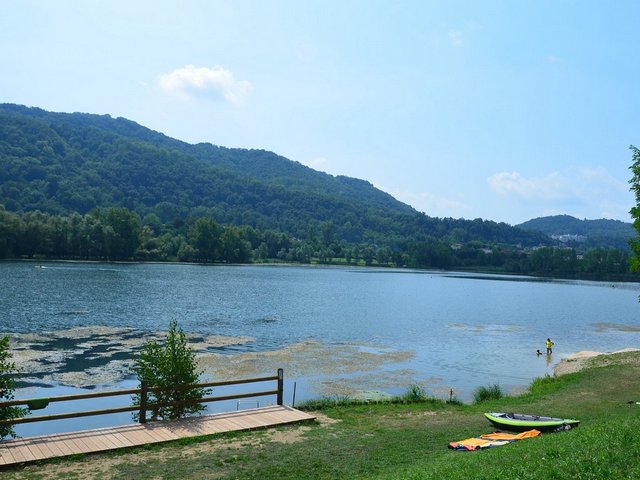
point(486, 328)
point(301, 359)
point(375, 385)
point(91, 356)
point(617, 327)
point(351, 368)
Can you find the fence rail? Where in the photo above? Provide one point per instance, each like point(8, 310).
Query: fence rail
point(144, 405)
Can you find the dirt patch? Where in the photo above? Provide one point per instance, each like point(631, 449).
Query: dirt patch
point(425, 413)
point(105, 465)
point(324, 420)
point(584, 359)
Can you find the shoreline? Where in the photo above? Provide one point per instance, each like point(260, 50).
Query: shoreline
point(607, 278)
point(579, 360)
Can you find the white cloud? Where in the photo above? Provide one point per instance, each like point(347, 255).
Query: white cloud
point(600, 177)
point(215, 82)
point(574, 182)
point(514, 184)
point(432, 205)
point(584, 192)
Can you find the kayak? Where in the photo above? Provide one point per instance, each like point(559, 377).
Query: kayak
point(519, 422)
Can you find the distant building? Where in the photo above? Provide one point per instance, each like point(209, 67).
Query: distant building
point(569, 237)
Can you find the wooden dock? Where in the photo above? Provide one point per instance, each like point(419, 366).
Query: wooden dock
point(31, 449)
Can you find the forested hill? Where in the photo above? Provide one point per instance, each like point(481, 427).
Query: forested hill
point(588, 233)
point(62, 163)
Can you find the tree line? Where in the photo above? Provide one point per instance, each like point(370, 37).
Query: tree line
point(119, 234)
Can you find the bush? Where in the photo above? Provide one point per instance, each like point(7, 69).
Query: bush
point(7, 384)
point(492, 392)
point(168, 365)
point(415, 394)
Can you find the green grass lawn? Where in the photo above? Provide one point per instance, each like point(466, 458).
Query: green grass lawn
point(407, 441)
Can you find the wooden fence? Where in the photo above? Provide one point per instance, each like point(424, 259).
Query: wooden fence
point(144, 405)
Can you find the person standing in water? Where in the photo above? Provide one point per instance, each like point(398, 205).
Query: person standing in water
point(549, 346)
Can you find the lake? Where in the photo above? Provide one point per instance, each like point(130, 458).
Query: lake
point(335, 331)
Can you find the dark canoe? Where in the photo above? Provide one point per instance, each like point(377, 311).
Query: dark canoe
point(519, 422)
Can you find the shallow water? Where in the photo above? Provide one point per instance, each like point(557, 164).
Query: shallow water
point(335, 331)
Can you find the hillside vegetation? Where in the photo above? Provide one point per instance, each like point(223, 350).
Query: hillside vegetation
point(64, 163)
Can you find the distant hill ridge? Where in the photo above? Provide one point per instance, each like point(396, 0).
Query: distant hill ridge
point(600, 232)
point(257, 164)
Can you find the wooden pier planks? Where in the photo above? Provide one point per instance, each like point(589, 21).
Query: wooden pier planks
point(30, 449)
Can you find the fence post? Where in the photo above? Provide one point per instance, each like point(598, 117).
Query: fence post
point(142, 416)
point(280, 385)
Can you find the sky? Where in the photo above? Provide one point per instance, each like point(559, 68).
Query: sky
point(502, 110)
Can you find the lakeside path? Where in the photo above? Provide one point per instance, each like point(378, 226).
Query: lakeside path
point(578, 361)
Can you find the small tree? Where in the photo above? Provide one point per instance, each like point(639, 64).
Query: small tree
point(169, 364)
point(7, 385)
point(635, 211)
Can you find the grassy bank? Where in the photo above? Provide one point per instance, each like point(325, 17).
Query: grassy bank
point(408, 440)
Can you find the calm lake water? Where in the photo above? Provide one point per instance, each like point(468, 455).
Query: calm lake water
point(329, 328)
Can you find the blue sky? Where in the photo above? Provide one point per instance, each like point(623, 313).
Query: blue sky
point(503, 110)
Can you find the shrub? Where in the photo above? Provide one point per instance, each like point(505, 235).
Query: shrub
point(167, 365)
point(8, 374)
point(492, 392)
point(414, 394)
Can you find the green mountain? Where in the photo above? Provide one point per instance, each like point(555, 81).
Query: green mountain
point(62, 163)
point(584, 233)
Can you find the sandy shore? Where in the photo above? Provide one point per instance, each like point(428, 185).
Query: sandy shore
point(578, 361)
